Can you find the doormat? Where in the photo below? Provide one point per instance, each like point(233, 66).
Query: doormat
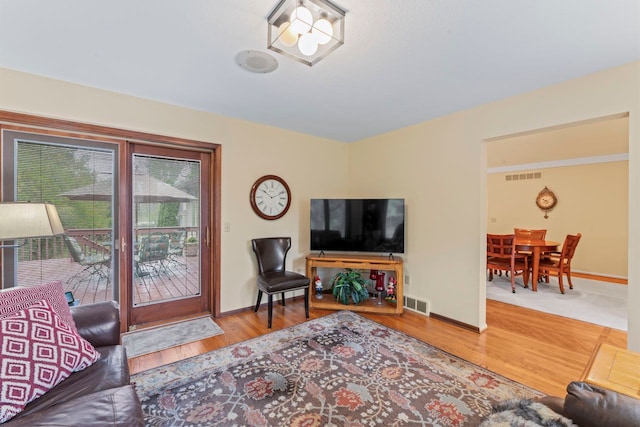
point(150, 340)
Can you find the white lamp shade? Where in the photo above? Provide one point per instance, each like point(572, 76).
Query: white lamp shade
point(287, 37)
point(308, 44)
point(28, 220)
point(322, 31)
point(301, 20)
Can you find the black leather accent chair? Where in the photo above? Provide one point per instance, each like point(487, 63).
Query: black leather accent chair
point(271, 254)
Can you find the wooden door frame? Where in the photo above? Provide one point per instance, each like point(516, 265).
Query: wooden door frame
point(39, 124)
point(161, 311)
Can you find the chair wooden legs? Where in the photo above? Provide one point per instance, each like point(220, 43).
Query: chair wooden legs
point(560, 283)
point(270, 304)
point(306, 302)
point(259, 301)
point(560, 274)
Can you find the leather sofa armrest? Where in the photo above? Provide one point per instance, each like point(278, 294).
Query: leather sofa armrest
point(588, 405)
point(98, 323)
point(556, 404)
point(114, 407)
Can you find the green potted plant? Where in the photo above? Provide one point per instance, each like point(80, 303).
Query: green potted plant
point(191, 246)
point(349, 285)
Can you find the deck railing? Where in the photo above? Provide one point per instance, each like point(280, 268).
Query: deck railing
point(92, 242)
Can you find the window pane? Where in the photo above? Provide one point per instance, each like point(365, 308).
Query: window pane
point(79, 182)
point(166, 228)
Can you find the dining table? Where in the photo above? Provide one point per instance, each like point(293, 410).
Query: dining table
point(536, 247)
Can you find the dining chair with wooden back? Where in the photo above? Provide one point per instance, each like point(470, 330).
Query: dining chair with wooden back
point(526, 234)
point(559, 263)
point(529, 234)
point(502, 256)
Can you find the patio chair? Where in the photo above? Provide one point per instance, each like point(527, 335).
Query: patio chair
point(176, 247)
point(153, 253)
point(93, 264)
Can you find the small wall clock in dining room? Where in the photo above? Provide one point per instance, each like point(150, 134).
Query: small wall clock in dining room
point(270, 197)
point(546, 200)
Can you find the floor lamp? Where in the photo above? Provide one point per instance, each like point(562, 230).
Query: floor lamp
point(25, 220)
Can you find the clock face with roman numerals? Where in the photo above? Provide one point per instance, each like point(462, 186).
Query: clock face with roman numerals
point(270, 197)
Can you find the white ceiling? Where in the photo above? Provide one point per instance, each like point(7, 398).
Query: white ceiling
point(403, 61)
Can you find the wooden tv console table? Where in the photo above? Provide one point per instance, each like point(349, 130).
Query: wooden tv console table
point(356, 262)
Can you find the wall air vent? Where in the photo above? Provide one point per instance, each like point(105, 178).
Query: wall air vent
point(523, 176)
point(415, 304)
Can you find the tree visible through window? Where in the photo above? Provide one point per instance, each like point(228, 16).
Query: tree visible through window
point(78, 180)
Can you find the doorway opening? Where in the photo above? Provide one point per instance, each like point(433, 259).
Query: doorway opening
point(586, 165)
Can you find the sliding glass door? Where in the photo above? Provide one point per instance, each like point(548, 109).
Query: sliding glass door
point(137, 216)
point(77, 176)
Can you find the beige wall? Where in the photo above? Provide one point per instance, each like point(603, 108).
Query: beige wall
point(438, 166)
point(249, 151)
point(591, 138)
point(592, 200)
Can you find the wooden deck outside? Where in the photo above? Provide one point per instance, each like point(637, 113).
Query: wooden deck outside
point(171, 279)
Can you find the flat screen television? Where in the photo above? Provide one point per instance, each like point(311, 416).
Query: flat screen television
point(357, 225)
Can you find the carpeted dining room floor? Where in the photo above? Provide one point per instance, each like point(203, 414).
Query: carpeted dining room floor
point(592, 301)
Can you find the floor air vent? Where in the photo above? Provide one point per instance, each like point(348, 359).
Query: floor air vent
point(417, 305)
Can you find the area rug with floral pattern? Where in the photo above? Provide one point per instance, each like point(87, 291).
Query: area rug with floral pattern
point(341, 369)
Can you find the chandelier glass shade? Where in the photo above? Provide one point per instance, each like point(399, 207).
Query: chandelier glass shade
point(306, 30)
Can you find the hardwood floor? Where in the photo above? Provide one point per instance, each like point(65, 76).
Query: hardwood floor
point(540, 350)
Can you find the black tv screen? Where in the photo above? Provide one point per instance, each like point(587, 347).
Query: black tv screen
point(357, 225)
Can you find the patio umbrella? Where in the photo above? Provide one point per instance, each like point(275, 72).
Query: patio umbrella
point(147, 190)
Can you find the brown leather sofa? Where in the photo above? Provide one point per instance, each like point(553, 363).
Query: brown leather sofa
point(591, 406)
point(100, 395)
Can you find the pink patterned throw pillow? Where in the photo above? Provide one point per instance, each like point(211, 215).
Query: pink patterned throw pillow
point(14, 299)
point(37, 351)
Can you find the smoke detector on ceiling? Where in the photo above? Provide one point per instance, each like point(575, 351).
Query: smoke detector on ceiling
point(256, 61)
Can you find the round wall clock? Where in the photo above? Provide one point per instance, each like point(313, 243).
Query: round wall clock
point(546, 200)
point(270, 197)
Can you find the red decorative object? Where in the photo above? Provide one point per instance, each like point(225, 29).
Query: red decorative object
point(380, 281)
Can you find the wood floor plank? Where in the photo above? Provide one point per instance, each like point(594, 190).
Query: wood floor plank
point(540, 350)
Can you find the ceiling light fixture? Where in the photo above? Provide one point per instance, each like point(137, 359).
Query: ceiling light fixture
point(306, 30)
